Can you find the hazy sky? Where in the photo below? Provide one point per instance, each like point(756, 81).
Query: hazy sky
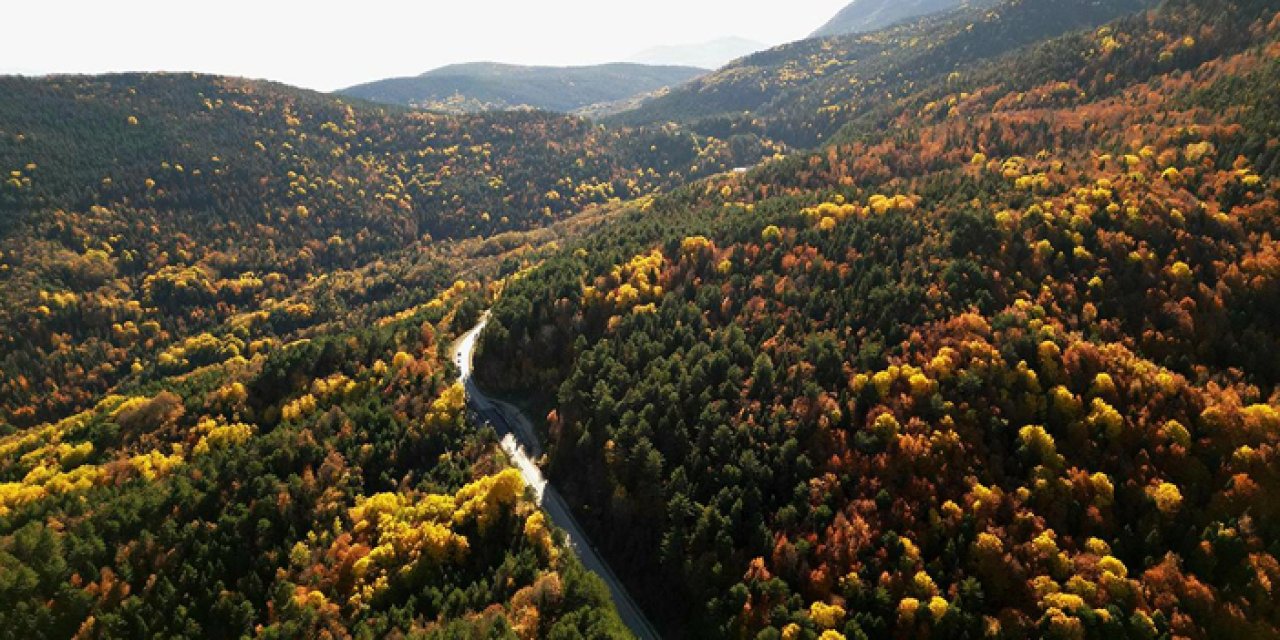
point(329, 45)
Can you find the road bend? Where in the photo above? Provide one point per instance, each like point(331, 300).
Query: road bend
point(521, 444)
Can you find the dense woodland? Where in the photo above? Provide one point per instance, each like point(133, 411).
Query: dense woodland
point(1000, 363)
point(994, 358)
point(328, 488)
point(225, 406)
point(805, 92)
point(141, 213)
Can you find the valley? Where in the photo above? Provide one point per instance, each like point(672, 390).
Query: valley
point(955, 321)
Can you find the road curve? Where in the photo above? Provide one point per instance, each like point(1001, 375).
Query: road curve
point(521, 445)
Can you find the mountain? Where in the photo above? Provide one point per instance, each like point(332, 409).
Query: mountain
point(983, 346)
point(803, 92)
point(862, 16)
point(226, 402)
point(487, 86)
point(231, 177)
point(996, 363)
point(712, 54)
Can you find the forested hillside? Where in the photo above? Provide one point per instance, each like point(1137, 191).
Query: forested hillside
point(804, 92)
point(321, 488)
point(225, 403)
point(997, 364)
point(994, 357)
point(486, 86)
point(140, 211)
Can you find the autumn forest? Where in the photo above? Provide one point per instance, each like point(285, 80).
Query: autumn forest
point(966, 327)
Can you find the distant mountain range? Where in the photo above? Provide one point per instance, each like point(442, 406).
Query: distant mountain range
point(487, 86)
point(712, 54)
point(862, 16)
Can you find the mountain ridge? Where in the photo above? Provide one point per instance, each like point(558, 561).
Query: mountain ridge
point(803, 92)
point(486, 86)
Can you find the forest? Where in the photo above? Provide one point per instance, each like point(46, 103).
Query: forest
point(226, 407)
point(330, 488)
point(145, 211)
point(803, 93)
point(998, 363)
point(964, 328)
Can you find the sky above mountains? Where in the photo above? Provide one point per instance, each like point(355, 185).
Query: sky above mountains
point(327, 45)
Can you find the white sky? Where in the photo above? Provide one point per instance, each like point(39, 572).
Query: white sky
point(328, 45)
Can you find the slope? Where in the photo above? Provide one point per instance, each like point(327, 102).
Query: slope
point(803, 92)
point(227, 404)
point(996, 364)
point(140, 210)
point(283, 487)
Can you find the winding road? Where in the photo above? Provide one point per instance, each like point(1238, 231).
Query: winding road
point(521, 445)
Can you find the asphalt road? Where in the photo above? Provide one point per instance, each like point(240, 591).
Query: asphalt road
point(521, 445)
